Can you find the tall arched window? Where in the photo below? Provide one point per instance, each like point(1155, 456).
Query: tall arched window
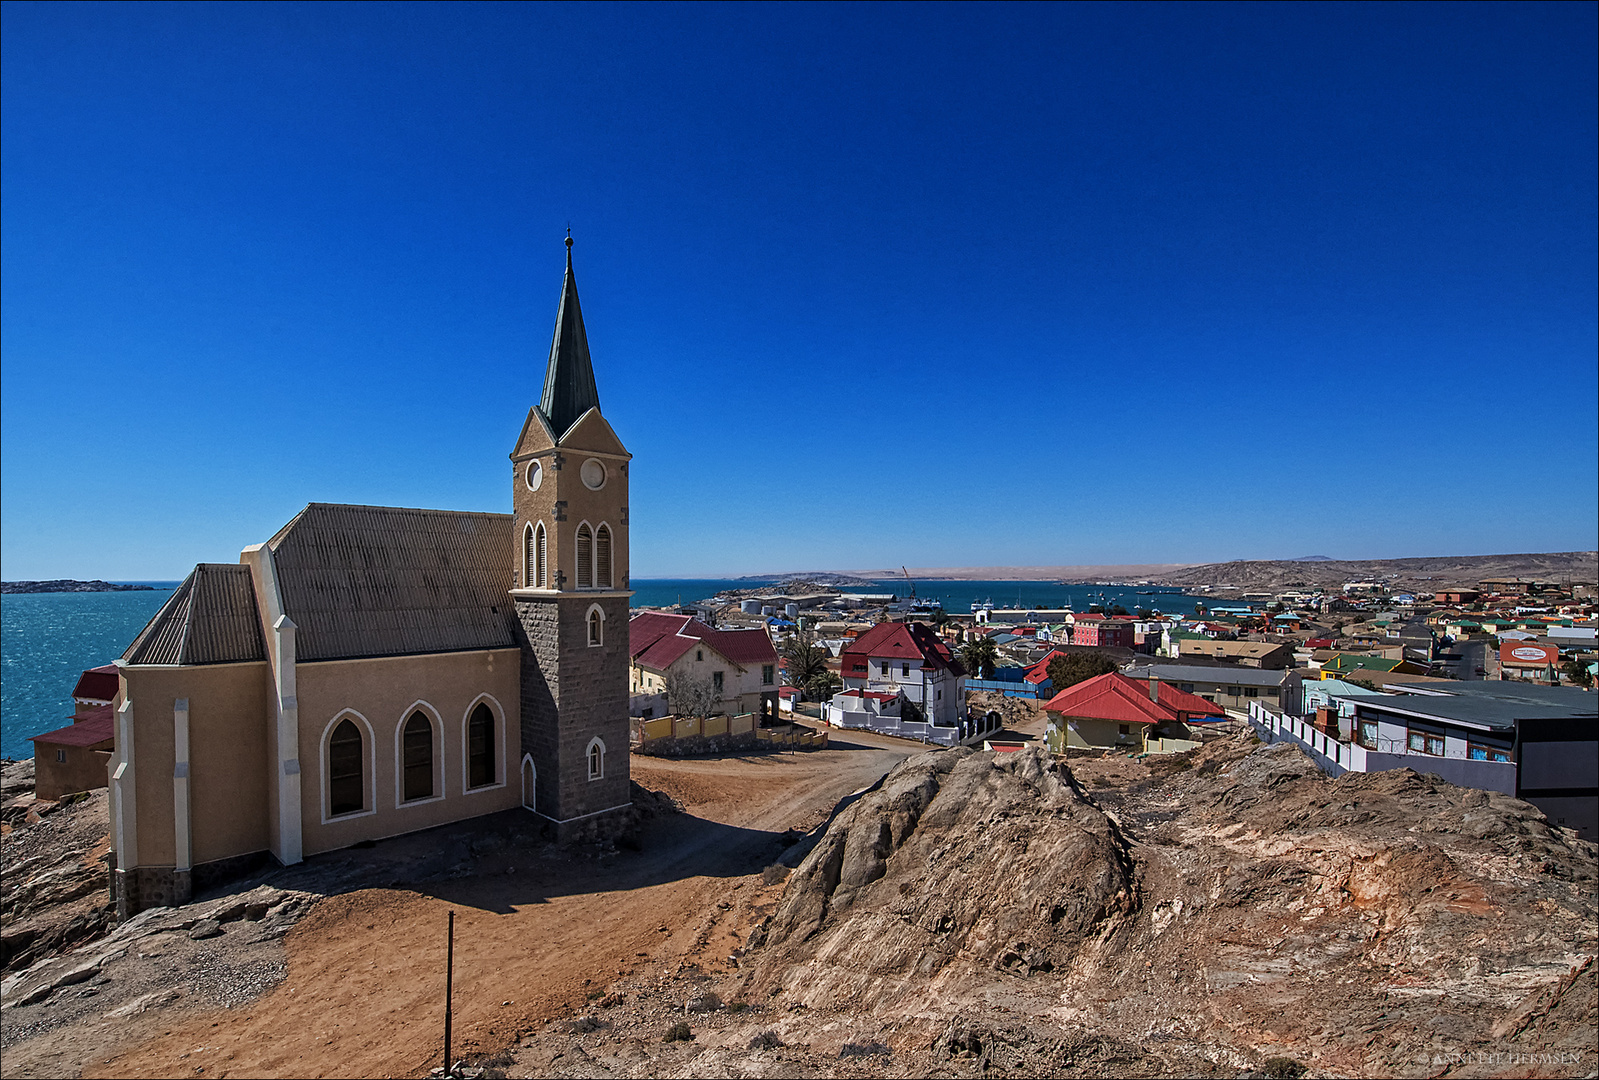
point(529, 559)
point(418, 757)
point(541, 558)
point(602, 557)
point(585, 557)
point(596, 626)
point(480, 747)
point(596, 755)
point(346, 784)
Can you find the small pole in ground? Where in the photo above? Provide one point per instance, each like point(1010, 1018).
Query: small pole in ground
point(449, 978)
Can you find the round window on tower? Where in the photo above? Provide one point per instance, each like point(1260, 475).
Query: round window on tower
point(593, 474)
point(534, 475)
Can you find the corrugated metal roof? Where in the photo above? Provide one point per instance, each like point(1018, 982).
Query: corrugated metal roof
point(210, 619)
point(384, 581)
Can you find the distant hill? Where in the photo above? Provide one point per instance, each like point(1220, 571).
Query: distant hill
point(1418, 574)
point(69, 585)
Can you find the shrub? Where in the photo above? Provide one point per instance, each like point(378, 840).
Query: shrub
point(1283, 1068)
point(766, 1040)
point(773, 874)
point(679, 1032)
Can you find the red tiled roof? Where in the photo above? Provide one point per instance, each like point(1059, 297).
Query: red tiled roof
point(1040, 671)
point(100, 684)
point(91, 732)
point(903, 641)
point(659, 641)
point(1115, 697)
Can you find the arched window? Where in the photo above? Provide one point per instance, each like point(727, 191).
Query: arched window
point(480, 747)
point(585, 557)
point(418, 757)
point(596, 626)
point(346, 784)
point(528, 560)
point(596, 756)
point(541, 559)
point(602, 557)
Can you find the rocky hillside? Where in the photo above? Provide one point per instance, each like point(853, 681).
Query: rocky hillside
point(1422, 574)
point(1226, 910)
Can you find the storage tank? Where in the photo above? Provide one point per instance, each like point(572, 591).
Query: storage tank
point(750, 607)
point(791, 610)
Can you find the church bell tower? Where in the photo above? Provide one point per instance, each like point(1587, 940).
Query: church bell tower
point(570, 590)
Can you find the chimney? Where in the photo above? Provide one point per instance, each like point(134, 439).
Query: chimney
point(1154, 686)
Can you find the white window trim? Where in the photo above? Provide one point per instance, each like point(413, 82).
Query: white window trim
point(369, 782)
point(466, 745)
point(527, 763)
point(587, 615)
point(437, 721)
point(589, 750)
point(529, 538)
point(541, 547)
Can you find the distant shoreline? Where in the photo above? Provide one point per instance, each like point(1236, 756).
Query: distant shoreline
point(61, 585)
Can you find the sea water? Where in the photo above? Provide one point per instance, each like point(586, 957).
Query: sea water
point(48, 639)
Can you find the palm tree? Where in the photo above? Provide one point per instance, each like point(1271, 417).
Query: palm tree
point(979, 657)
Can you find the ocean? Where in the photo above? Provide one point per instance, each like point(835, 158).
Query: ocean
point(48, 639)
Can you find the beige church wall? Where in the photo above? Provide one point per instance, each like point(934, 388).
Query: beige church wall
point(228, 769)
point(379, 695)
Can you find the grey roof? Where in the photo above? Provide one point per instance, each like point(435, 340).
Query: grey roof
point(209, 619)
point(382, 581)
point(1488, 703)
point(1206, 673)
point(569, 389)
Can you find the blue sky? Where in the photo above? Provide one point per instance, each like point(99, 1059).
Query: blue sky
point(865, 285)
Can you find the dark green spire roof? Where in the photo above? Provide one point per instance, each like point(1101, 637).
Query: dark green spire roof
point(569, 389)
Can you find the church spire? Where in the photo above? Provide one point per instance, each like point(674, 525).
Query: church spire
point(569, 389)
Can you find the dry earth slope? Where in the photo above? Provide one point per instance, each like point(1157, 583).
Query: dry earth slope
point(1189, 915)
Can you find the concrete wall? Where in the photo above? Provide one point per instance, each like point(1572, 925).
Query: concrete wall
point(229, 761)
point(379, 695)
point(1086, 731)
point(83, 770)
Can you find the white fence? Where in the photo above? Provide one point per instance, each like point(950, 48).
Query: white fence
point(1336, 757)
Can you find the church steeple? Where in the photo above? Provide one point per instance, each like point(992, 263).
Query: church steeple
point(569, 389)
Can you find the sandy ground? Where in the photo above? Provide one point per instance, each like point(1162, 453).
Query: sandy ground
point(539, 934)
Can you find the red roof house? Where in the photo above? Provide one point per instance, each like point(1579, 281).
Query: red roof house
point(1112, 710)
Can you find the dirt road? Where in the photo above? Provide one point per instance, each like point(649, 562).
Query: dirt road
point(538, 932)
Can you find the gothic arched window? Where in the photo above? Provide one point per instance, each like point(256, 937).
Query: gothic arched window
point(529, 559)
point(480, 747)
point(418, 757)
point(602, 557)
point(585, 557)
point(346, 783)
point(596, 756)
point(596, 626)
point(541, 559)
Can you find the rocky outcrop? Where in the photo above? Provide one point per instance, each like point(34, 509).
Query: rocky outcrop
point(1216, 909)
point(905, 882)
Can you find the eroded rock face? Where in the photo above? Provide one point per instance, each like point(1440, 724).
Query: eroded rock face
point(994, 861)
point(1227, 906)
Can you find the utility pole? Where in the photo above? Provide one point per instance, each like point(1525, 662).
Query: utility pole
point(449, 979)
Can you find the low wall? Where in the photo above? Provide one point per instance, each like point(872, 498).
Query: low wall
point(690, 736)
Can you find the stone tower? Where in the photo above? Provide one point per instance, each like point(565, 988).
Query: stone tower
point(570, 588)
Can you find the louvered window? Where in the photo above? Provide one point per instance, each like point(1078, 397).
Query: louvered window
point(585, 557)
point(542, 558)
point(602, 557)
point(529, 559)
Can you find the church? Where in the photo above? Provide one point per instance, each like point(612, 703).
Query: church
point(371, 671)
